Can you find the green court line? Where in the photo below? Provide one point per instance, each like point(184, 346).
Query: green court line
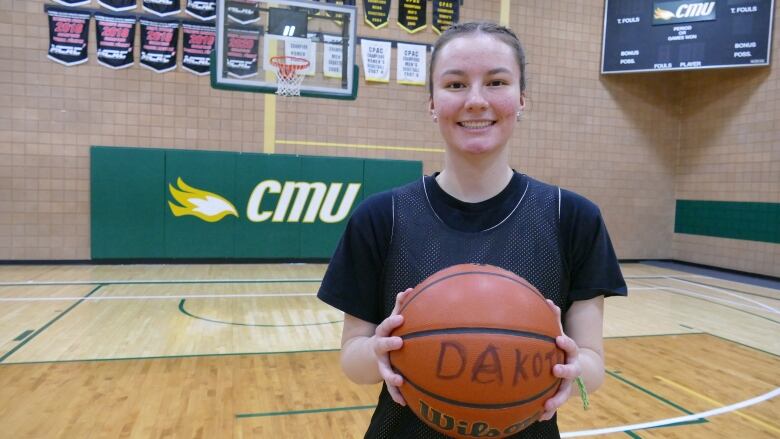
point(187, 313)
point(632, 434)
point(51, 322)
point(161, 282)
point(653, 335)
point(165, 357)
point(24, 334)
point(304, 412)
point(654, 395)
point(742, 344)
point(687, 327)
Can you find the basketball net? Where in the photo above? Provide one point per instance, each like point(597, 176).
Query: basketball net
point(289, 74)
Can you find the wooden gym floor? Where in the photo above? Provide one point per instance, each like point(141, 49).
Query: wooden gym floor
point(221, 351)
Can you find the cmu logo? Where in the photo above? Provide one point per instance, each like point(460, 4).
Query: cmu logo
point(297, 202)
point(682, 12)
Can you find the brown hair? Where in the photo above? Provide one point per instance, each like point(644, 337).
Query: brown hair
point(499, 32)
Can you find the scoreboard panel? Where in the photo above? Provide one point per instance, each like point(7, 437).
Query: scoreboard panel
point(662, 35)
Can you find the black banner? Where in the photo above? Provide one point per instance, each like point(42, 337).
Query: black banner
point(445, 14)
point(202, 9)
point(336, 15)
point(244, 12)
point(412, 15)
point(242, 46)
point(118, 5)
point(162, 7)
point(377, 12)
point(115, 38)
point(197, 44)
point(73, 2)
point(68, 36)
point(159, 40)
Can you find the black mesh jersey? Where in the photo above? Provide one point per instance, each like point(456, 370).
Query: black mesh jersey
point(524, 229)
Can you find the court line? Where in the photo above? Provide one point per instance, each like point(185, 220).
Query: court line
point(728, 288)
point(698, 295)
point(765, 424)
point(159, 297)
point(51, 322)
point(303, 412)
point(158, 281)
point(665, 422)
point(729, 293)
point(259, 325)
point(649, 392)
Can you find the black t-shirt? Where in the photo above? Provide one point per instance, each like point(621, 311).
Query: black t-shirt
point(353, 281)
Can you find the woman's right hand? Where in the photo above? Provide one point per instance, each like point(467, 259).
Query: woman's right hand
point(383, 343)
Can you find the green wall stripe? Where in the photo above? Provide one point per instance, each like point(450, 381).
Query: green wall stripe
point(751, 221)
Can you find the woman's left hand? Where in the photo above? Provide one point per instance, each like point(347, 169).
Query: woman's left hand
point(567, 372)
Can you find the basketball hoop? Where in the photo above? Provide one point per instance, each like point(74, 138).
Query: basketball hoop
point(289, 74)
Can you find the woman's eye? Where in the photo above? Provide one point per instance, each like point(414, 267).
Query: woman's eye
point(497, 83)
point(455, 85)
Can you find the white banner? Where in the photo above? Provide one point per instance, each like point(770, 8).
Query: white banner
point(376, 60)
point(332, 57)
point(302, 48)
point(410, 64)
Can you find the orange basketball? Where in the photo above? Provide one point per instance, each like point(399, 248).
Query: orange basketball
point(478, 352)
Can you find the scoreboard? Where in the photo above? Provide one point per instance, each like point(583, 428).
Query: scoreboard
point(650, 35)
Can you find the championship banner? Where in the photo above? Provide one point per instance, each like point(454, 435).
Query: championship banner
point(332, 56)
point(68, 36)
point(242, 52)
point(202, 9)
point(115, 37)
point(118, 5)
point(377, 12)
point(302, 48)
point(412, 15)
point(376, 60)
point(162, 8)
point(197, 44)
point(338, 2)
point(445, 14)
point(410, 64)
point(159, 40)
point(243, 12)
point(73, 2)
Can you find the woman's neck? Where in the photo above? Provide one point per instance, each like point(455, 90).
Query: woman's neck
point(474, 181)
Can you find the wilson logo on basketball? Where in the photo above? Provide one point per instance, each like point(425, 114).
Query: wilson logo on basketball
point(295, 202)
point(467, 428)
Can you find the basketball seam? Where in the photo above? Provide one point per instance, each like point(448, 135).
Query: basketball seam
point(474, 405)
point(478, 330)
point(520, 281)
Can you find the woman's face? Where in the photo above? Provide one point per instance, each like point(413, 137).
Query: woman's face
point(476, 94)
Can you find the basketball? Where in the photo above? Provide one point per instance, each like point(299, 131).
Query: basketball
point(478, 351)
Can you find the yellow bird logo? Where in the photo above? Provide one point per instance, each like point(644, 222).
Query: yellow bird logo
point(662, 14)
point(202, 204)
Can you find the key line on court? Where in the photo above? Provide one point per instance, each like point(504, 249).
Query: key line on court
point(664, 422)
point(44, 327)
point(755, 419)
point(159, 297)
point(257, 325)
point(734, 290)
point(159, 281)
point(304, 412)
point(700, 296)
point(729, 293)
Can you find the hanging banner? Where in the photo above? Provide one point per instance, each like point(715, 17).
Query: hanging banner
point(202, 9)
point(376, 12)
point(197, 44)
point(412, 15)
point(73, 2)
point(376, 60)
point(162, 8)
point(242, 48)
point(243, 12)
point(302, 48)
point(337, 15)
point(332, 56)
point(115, 37)
point(410, 64)
point(159, 40)
point(118, 5)
point(445, 14)
point(68, 36)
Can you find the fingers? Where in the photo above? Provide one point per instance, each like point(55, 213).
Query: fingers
point(383, 344)
point(557, 311)
point(400, 299)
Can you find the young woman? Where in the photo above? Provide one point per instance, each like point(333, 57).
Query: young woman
point(478, 210)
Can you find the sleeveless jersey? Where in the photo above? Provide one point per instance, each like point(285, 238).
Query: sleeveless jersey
point(526, 242)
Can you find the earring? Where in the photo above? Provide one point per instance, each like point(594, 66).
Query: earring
point(435, 117)
point(519, 115)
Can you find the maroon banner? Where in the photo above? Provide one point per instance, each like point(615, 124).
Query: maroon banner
point(115, 37)
point(159, 40)
point(197, 44)
point(242, 55)
point(163, 8)
point(445, 14)
point(68, 36)
point(202, 9)
point(118, 5)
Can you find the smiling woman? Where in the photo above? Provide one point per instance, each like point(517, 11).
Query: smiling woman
point(478, 209)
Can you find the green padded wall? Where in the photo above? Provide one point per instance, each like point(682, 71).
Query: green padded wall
point(749, 221)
